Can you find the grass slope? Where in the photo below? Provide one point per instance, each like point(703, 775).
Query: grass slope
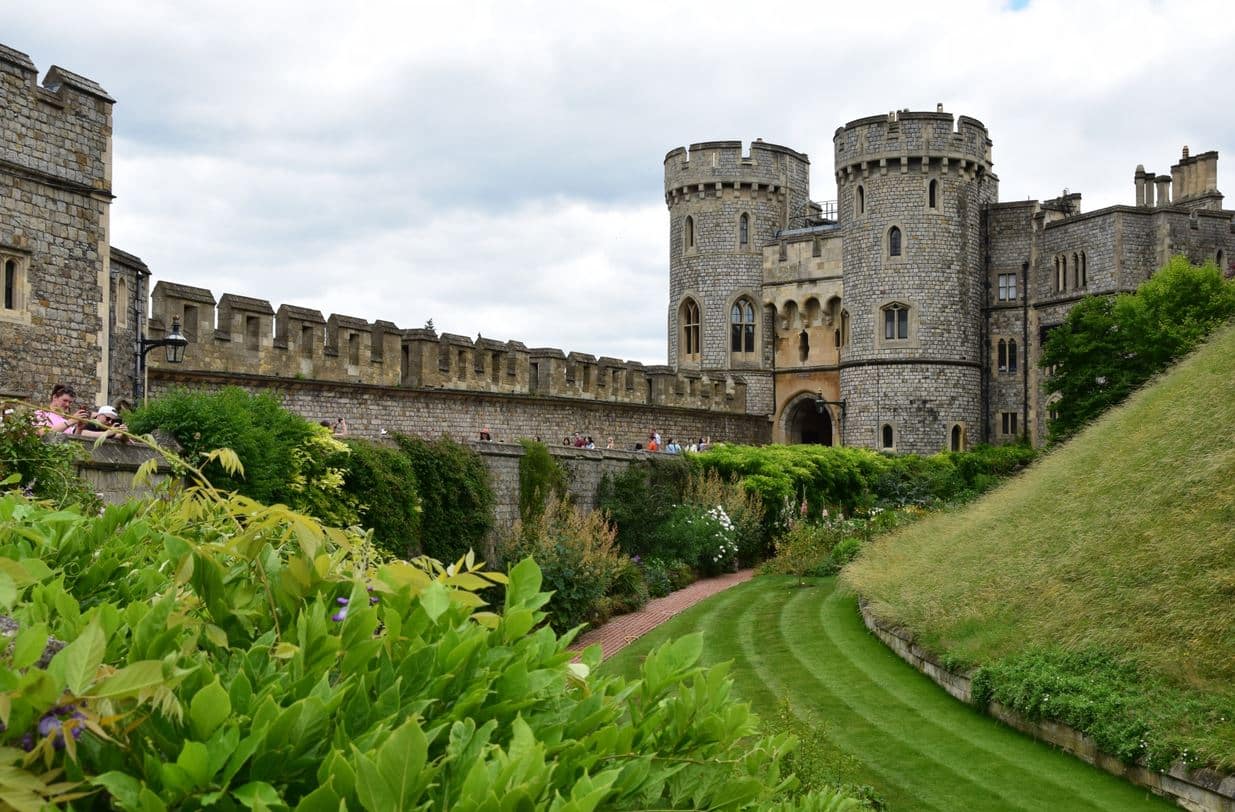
point(1120, 541)
point(869, 718)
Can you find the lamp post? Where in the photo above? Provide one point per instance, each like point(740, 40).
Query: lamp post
point(821, 404)
point(175, 342)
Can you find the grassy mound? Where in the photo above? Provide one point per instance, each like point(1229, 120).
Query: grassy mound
point(1099, 586)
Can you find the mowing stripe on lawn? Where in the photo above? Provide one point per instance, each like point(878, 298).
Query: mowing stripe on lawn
point(917, 746)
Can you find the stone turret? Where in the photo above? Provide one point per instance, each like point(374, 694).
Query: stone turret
point(912, 188)
point(724, 205)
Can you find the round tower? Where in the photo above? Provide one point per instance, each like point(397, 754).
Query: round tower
point(724, 206)
point(912, 188)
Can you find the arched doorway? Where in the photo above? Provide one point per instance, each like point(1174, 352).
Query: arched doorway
point(809, 422)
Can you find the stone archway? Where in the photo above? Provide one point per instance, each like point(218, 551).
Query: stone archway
point(808, 422)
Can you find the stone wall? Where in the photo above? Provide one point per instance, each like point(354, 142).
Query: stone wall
point(129, 293)
point(55, 193)
point(108, 468)
point(1200, 790)
point(585, 470)
point(252, 339)
point(370, 409)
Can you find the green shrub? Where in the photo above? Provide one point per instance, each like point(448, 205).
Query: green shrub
point(578, 559)
point(46, 470)
point(744, 507)
point(220, 654)
point(455, 497)
point(629, 588)
point(286, 458)
point(383, 483)
point(846, 550)
point(681, 575)
point(804, 549)
point(703, 538)
point(1125, 710)
point(540, 478)
point(640, 500)
point(656, 573)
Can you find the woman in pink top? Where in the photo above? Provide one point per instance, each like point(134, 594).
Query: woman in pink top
point(56, 416)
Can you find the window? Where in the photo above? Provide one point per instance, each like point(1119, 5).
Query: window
point(120, 305)
point(894, 241)
point(744, 230)
point(742, 326)
point(859, 200)
point(1006, 355)
point(688, 316)
point(1085, 270)
point(1008, 423)
point(837, 338)
point(10, 284)
point(887, 437)
point(844, 328)
point(688, 238)
point(252, 332)
point(957, 439)
point(1076, 271)
point(816, 249)
point(353, 350)
point(803, 346)
point(932, 193)
point(306, 341)
point(1007, 287)
point(896, 322)
point(1063, 273)
point(1217, 260)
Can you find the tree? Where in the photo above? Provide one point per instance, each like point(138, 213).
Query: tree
point(1107, 347)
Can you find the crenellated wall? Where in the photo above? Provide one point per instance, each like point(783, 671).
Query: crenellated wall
point(243, 339)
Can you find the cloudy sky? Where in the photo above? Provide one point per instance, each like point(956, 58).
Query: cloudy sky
point(497, 167)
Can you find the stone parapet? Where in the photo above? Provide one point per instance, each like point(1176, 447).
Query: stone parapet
point(246, 336)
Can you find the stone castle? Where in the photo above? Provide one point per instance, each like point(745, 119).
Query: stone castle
point(907, 316)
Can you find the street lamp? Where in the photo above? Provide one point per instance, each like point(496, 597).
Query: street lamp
point(175, 342)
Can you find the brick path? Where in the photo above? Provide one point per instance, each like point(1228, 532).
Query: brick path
point(623, 630)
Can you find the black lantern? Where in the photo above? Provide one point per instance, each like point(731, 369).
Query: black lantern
point(175, 342)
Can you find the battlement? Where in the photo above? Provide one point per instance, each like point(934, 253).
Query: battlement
point(903, 139)
point(711, 166)
point(59, 131)
point(246, 336)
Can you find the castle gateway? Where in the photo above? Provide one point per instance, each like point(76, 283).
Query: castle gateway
point(908, 315)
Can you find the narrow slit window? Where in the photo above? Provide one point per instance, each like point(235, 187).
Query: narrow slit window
point(689, 237)
point(894, 242)
point(306, 341)
point(889, 437)
point(744, 230)
point(10, 285)
point(931, 194)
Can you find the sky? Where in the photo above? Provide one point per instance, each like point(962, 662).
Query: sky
point(498, 167)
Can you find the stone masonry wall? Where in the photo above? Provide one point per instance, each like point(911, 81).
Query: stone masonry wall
point(714, 185)
point(370, 409)
point(252, 339)
point(938, 275)
point(55, 192)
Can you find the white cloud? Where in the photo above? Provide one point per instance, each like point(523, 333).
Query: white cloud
point(497, 167)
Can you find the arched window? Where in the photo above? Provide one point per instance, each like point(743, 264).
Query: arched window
point(860, 200)
point(10, 284)
point(1063, 273)
point(844, 328)
point(1012, 355)
point(1002, 355)
point(1076, 271)
point(887, 437)
point(688, 317)
point(1085, 270)
point(958, 438)
point(932, 192)
point(836, 336)
point(121, 304)
point(803, 346)
point(742, 326)
point(688, 237)
point(896, 322)
point(894, 241)
point(744, 230)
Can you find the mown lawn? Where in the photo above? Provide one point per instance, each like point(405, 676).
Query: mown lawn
point(802, 657)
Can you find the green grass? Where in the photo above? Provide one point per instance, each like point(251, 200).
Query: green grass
point(1121, 542)
point(870, 719)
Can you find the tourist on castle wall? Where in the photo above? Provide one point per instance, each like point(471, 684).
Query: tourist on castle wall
point(610, 443)
point(105, 422)
point(653, 442)
point(672, 447)
point(59, 415)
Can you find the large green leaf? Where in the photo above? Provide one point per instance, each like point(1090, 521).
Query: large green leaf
point(209, 708)
point(76, 664)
